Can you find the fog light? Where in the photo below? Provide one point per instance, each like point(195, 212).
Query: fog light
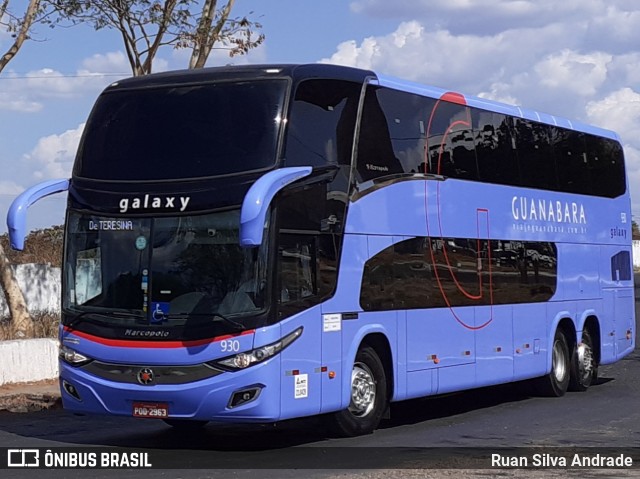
point(244, 396)
point(71, 390)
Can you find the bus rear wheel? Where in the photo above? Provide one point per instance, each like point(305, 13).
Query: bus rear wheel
point(556, 382)
point(368, 397)
point(584, 364)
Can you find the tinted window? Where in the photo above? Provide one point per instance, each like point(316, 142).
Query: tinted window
point(495, 148)
point(182, 131)
point(571, 161)
point(403, 133)
point(606, 167)
point(308, 249)
point(440, 272)
point(395, 123)
point(378, 131)
point(450, 142)
point(535, 157)
point(321, 124)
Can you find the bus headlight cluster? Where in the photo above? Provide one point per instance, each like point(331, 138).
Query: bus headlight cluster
point(258, 355)
point(72, 357)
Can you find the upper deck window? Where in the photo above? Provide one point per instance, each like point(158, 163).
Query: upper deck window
point(183, 131)
point(322, 123)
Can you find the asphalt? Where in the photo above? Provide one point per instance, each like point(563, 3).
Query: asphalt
point(29, 397)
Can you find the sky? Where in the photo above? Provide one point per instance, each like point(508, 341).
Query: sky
point(578, 59)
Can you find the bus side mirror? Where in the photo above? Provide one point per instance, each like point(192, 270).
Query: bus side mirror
point(257, 200)
point(17, 215)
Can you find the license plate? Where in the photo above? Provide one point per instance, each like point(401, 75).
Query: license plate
point(146, 409)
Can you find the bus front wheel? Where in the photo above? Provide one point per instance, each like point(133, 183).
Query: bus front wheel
point(368, 396)
point(556, 382)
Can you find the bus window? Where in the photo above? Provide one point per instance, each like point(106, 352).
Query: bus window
point(571, 161)
point(376, 156)
point(209, 130)
point(450, 142)
point(535, 157)
point(321, 124)
point(406, 117)
point(495, 148)
point(606, 166)
point(307, 249)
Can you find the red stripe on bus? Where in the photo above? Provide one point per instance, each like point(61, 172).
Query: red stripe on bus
point(454, 97)
point(136, 343)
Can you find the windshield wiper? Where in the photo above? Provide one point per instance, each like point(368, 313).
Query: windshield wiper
point(237, 326)
point(113, 314)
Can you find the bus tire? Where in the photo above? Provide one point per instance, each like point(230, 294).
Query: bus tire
point(556, 382)
point(584, 364)
point(368, 397)
point(185, 424)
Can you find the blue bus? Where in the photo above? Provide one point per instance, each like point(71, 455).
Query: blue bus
point(259, 243)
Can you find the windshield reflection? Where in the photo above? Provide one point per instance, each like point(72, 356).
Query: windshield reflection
point(166, 271)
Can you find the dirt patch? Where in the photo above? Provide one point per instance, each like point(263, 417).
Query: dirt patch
point(30, 397)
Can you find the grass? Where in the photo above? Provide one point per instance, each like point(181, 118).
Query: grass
point(45, 325)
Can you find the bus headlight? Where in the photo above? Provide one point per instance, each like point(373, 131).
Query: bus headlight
point(74, 358)
point(258, 355)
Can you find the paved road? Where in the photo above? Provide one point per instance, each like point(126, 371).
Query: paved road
point(606, 416)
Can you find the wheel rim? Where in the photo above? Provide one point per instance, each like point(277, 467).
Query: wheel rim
point(559, 362)
point(585, 360)
point(363, 390)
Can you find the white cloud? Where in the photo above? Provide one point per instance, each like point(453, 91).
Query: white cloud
point(618, 111)
point(110, 62)
point(29, 92)
point(10, 102)
point(572, 72)
point(10, 188)
point(53, 155)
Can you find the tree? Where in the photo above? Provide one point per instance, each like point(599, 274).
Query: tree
point(20, 27)
point(214, 26)
point(147, 25)
point(21, 323)
point(41, 246)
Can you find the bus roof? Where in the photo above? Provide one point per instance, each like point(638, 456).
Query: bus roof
point(301, 72)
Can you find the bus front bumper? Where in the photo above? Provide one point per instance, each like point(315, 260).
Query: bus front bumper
point(251, 395)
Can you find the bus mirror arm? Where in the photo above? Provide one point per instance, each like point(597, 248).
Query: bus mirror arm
point(257, 200)
point(17, 215)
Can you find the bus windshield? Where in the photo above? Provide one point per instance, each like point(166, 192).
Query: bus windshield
point(181, 132)
point(172, 272)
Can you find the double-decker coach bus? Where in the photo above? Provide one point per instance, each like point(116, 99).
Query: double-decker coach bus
point(258, 243)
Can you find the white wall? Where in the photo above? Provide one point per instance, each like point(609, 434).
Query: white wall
point(636, 253)
point(40, 284)
point(27, 360)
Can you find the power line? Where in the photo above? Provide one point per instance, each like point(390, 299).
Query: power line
point(50, 77)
